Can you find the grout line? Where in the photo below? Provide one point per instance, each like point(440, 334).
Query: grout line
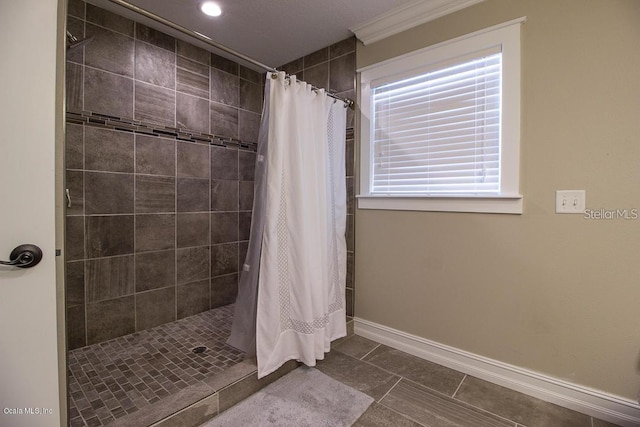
point(82, 82)
point(459, 385)
point(371, 351)
point(175, 82)
point(95, 24)
point(84, 236)
point(175, 200)
point(133, 75)
point(389, 391)
point(210, 214)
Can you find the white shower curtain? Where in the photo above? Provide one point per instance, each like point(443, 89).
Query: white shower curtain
point(302, 269)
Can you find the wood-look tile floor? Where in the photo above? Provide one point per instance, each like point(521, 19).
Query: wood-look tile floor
point(412, 392)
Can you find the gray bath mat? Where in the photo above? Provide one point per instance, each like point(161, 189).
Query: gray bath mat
point(303, 397)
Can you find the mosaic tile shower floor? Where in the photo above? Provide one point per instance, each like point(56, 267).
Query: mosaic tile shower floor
point(118, 377)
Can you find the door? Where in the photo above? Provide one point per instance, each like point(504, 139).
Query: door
point(30, 119)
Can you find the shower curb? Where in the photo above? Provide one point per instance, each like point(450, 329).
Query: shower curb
point(198, 403)
point(207, 408)
point(234, 391)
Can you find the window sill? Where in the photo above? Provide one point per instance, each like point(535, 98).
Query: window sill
point(477, 204)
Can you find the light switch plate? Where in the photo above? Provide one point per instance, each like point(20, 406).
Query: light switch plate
point(570, 201)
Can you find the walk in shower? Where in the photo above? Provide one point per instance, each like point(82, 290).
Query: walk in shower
point(160, 150)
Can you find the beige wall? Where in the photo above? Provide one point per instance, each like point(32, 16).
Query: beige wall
point(557, 294)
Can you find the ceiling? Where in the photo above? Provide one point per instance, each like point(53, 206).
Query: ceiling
point(273, 32)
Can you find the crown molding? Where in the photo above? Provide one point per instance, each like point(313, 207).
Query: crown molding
point(407, 16)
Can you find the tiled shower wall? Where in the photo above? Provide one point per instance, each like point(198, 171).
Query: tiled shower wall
point(333, 67)
point(157, 225)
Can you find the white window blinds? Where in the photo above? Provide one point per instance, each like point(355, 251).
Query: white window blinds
point(439, 133)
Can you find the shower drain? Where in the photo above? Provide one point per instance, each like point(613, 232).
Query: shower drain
point(200, 349)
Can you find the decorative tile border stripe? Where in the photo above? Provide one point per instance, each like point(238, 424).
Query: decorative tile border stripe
point(89, 118)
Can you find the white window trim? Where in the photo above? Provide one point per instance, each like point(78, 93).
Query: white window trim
point(507, 37)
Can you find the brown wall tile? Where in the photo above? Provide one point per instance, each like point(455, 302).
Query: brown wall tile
point(224, 290)
point(248, 126)
point(250, 75)
point(155, 232)
point(155, 308)
point(342, 47)
point(155, 37)
point(108, 278)
point(318, 75)
point(192, 298)
point(244, 225)
point(342, 73)
point(193, 160)
point(192, 113)
point(75, 244)
point(74, 87)
point(224, 259)
point(108, 93)
point(155, 270)
point(155, 194)
point(191, 82)
point(193, 229)
point(74, 146)
point(193, 52)
point(108, 193)
point(155, 65)
point(224, 163)
point(76, 8)
point(108, 150)
point(250, 96)
point(224, 195)
point(109, 20)
point(75, 187)
point(316, 57)
point(224, 64)
point(110, 319)
point(293, 67)
point(193, 195)
point(245, 198)
point(193, 264)
point(156, 156)
point(224, 120)
point(246, 165)
point(76, 333)
point(155, 104)
point(109, 235)
point(224, 87)
point(109, 51)
point(74, 283)
point(224, 227)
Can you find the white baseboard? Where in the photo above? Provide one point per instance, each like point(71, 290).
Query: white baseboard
point(592, 402)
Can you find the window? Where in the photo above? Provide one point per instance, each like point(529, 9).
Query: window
point(441, 126)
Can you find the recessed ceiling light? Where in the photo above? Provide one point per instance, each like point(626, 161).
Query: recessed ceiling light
point(210, 8)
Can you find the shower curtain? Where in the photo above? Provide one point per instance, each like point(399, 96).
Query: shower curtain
point(297, 248)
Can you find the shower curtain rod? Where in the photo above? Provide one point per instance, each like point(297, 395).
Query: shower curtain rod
point(348, 102)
